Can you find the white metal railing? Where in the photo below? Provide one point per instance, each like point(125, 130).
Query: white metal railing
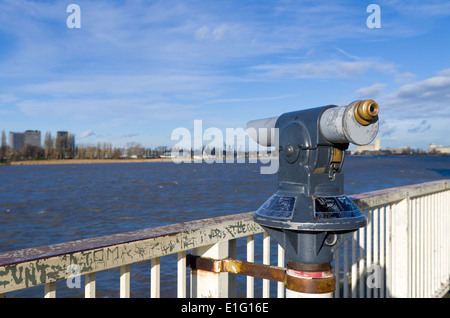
point(403, 252)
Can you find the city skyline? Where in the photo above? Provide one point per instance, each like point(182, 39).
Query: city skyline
point(134, 71)
point(35, 139)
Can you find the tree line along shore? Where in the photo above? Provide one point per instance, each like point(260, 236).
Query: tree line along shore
point(85, 161)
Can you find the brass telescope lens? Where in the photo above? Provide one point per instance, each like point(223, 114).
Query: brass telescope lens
point(366, 111)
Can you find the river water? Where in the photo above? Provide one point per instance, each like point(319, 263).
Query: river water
point(49, 204)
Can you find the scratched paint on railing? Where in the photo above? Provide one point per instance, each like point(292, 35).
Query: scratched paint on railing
point(41, 271)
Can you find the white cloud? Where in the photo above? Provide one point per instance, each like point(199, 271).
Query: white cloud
point(323, 69)
point(422, 9)
point(402, 78)
point(425, 98)
point(420, 128)
point(85, 134)
point(371, 91)
point(202, 33)
point(7, 98)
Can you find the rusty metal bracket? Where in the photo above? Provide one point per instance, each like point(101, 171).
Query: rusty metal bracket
point(236, 267)
point(298, 284)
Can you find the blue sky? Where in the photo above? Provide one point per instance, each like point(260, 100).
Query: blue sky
point(136, 70)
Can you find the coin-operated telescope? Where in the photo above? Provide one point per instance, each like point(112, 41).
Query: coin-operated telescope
point(309, 216)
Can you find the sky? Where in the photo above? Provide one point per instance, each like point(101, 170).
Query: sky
point(134, 71)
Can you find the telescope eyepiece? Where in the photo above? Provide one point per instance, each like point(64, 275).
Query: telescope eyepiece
point(366, 111)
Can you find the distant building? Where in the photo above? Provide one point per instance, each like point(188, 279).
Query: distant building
point(32, 138)
point(62, 139)
point(16, 140)
point(432, 148)
point(65, 144)
point(28, 138)
point(62, 134)
point(371, 147)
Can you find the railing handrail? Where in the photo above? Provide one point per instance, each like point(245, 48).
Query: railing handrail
point(106, 252)
point(94, 243)
point(47, 264)
point(389, 195)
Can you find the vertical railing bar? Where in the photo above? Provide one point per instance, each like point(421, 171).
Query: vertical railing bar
point(155, 269)
point(412, 245)
point(50, 290)
point(210, 284)
point(439, 222)
point(431, 268)
point(415, 233)
point(232, 252)
point(280, 285)
point(125, 281)
point(433, 243)
point(425, 252)
point(250, 258)
point(388, 271)
point(369, 242)
point(436, 242)
point(422, 249)
point(414, 237)
point(346, 269)
point(447, 242)
point(181, 274)
point(375, 247)
point(444, 252)
point(436, 229)
point(362, 260)
point(445, 246)
point(382, 250)
point(418, 250)
point(337, 269)
point(266, 261)
point(89, 285)
point(443, 242)
point(409, 276)
point(354, 264)
point(434, 246)
point(418, 269)
point(427, 247)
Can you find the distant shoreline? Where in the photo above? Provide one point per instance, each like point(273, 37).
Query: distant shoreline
point(90, 161)
point(85, 161)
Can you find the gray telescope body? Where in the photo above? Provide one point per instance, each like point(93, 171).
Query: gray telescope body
point(337, 125)
point(309, 216)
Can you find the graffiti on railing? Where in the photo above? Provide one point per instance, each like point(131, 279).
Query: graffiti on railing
point(68, 266)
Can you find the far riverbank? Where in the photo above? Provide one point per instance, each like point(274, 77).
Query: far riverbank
point(84, 161)
point(87, 161)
